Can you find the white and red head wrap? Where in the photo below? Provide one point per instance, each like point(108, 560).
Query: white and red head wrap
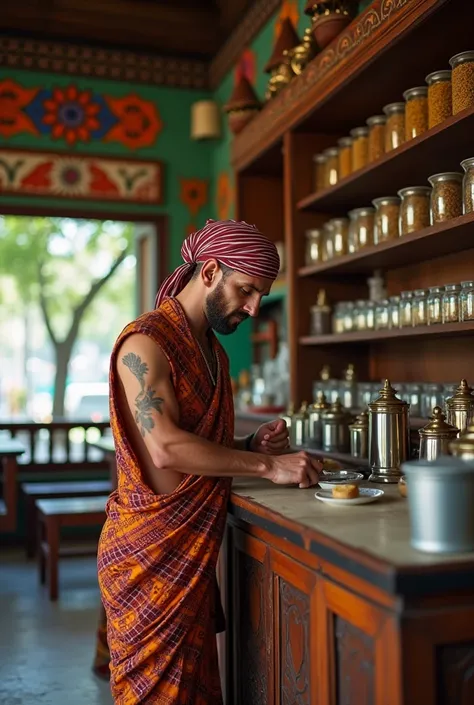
point(236, 244)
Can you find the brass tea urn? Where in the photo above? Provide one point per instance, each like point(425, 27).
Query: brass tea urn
point(388, 435)
point(463, 447)
point(315, 412)
point(460, 407)
point(436, 436)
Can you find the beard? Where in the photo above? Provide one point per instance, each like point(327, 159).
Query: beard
point(216, 308)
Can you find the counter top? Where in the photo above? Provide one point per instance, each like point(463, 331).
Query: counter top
point(371, 541)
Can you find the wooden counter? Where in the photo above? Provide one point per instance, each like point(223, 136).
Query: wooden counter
point(330, 606)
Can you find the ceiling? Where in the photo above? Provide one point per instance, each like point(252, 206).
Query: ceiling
point(184, 28)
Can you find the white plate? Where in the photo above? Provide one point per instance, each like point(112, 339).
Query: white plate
point(366, 495)
point(340, 477)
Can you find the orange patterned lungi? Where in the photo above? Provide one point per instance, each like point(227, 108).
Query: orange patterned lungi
point(158, 553)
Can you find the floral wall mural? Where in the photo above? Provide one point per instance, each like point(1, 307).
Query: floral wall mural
point(194, 194)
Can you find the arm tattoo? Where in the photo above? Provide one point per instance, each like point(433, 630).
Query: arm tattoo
point(146, 401)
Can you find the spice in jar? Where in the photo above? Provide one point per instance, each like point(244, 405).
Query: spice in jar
point(332, 166)
point(419, 308)
point(462, 80)
point(340, 230)
point(382, 314)
point(387, 211)
point(345, 157)
point(468, 185)
point(348, 316)
point(370, 315)
point(376, 144)
point(319, 179)
point(394, 312)
point(313, 252)
point(360, 315)
point(395, 125)
point(435, 305)
point(328, 242)
point(360, 146)
point(446, 196)
point(405, 310)
point(416, 111)
point(414, 209)
point(440, 105)
point(466, 300)
point(361, 233)
point(451, 303)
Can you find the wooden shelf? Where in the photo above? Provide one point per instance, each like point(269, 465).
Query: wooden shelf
point(436, 241)
point(437, 331)
point(411, 164)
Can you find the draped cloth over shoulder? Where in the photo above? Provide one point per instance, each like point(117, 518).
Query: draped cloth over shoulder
point(158, 553)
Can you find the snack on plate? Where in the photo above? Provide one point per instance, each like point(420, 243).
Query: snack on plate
point(345, 491)
point(331, 465)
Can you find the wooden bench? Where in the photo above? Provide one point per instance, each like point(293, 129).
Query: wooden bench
point(54, 514)
point(34, 491)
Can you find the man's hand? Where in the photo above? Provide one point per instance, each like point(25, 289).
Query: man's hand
point(294, 469)
point(272, 438)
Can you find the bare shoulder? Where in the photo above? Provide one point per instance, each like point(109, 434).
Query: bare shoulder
point(141, 356)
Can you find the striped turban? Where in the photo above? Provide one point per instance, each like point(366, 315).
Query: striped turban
point(236, 244)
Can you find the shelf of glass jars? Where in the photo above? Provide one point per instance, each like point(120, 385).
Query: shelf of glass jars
point(438, 240)
point(368, 336)
point(440, 149)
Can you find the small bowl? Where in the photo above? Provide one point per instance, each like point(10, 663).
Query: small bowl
point(342, 477)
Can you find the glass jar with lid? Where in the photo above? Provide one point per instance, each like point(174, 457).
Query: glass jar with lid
point(451, 308)
point(340, 231)
point(387, 213)
point(468, 185)
point(360, 315)
point(446, 196)
point(338, 318)
point(432, 395)
point(406, 309)
point(414, 209)
point(345, 157)
point(462, 80)
point(376, 142)
point(416, 111)
point(466, 300)
point(349, 317)
point(394, 312)
point(395, 125)
point(440, 104)
point(320, 315)
point(332, 166)
point(361, 228)
point(328, 242)
point(360, 147)
point(413, 397)
point(313, 252)
point(435, 305)
point(419, 308)
point(382, 314)
point(319, 173)
point(370, 315)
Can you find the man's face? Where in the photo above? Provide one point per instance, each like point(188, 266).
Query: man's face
point(235, 298)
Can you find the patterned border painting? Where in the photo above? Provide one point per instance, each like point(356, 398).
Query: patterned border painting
point(28, 173)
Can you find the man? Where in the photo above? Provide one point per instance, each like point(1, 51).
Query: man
point(173, 425)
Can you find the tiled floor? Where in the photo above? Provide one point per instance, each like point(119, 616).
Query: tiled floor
point(46, 649)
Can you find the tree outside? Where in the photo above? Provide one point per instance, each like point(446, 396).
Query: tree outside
point(66, 290)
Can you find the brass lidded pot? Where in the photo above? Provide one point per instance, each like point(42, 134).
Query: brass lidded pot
point(463, 447)
point(388, 435)
point(435, 437)
point(335, 428)
point(315, 412)
point(299, 426)
point(460, 407)
point(359, 436)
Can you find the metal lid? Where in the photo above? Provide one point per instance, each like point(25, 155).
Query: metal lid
point(444, 465)
point(452, 287)
point(438, 427)
point(445, 176)
point(467, 284)
point(319, 403)
point(361, 422)
point(417, 92)
point(406, 294)
point(335, 413)
point(376, 120)
point(467, 163)
point(386, 201)
point(325, 373)
point(461, 58)
point(356, 212)
point(394, 299)
point(436, 289)
point(414, 191)
point(302, 413)
point(337, 222)
point(314, 232)
point(436, 76)
point(320, 158)
point(359, 132)
point(331, 152)
point(388, 401)
point(465, 443)
point(345, 142)
point(462, 398)
point(420, 292)
point(394, 108)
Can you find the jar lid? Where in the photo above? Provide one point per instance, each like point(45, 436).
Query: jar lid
point(392, 108)
point(462, 398)
point(315, 232)
point(436, 76)
point(336, 412)
point(359, 132)
point(361, 421)
point(345, 142)
point(436, 289)
point(302, 413)
point(319, 158)
point(467, 285)
point(417, 92)
point(461, 58)
point(406, 294)
point(445, 176)
point(465, 443)
point(467, 163)
point(387, 399)
point(394, 299)
point(356, 212)
point(420, 292)
point(386, 201)
point(382, 302)
point(325, 373)
point(444, 465)
point(452, 287)
point(414, 191)
point(338, 222)
point(438, 426)
point(376, 120)
point(331, 152)
point(319, 403)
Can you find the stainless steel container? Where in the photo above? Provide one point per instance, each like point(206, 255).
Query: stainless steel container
point(299, 426)
point(460, 407)
point(359, 436)
point(440, 499)
point(388, 435)
point(436, 436)
point(463, 447)
point(335, 429)
point(315, 412)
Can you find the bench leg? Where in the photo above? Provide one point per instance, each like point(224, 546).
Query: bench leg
point(40, 534)
point(31, 525)
point(52, 538)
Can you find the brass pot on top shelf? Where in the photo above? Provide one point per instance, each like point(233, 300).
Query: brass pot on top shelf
point(329, 18)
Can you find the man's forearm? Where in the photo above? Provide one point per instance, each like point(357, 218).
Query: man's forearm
point(243, 443)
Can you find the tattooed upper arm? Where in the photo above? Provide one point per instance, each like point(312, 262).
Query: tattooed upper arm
point(146, 400)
